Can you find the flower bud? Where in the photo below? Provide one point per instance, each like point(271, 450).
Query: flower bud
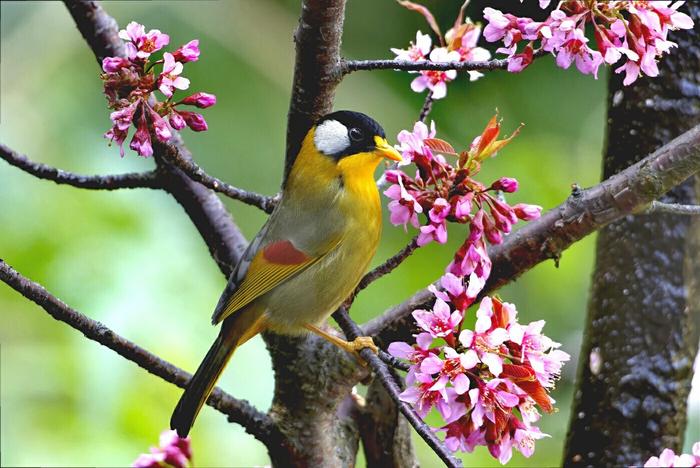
point(506, 184)
point(201, 100)
point(527, 212)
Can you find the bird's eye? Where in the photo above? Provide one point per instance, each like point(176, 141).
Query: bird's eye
point(355, 134)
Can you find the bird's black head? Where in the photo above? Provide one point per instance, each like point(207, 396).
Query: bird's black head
point(344, 133)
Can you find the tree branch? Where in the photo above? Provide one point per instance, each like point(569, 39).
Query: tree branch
point(316, 70)
point(260, 425)
point(97, 182)
point(385, 268)
point(673, 208)
point(585, 211)
point(349, 66)
point(352, 331)
point(209, 215)
point(196, 173)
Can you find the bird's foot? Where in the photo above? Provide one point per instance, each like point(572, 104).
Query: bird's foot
point(353, 347)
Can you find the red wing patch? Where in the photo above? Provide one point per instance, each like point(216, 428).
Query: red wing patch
point(284, 253)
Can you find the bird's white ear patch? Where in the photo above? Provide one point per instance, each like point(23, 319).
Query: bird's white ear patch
point(331, 137)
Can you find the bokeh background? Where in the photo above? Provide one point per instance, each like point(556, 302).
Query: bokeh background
point(133, 260)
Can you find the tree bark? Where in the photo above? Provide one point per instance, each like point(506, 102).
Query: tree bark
point(641, 335)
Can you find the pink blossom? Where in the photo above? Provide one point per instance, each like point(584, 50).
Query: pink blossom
point(114, 64)
point(173, 451)
point(486, 339)
point(498, 24)
point(201, 100)
point(195, 121)
point(188, 52)
point(176, 120)
point(416, 51)
point(668, 458)
point(506, 184)
point(539, 351)
point(574, 48)
point(412, 143)
point(411, 353)
point(527, 212)
point(403, 207)
point(440, 321)
point(141, 141)
point(141, 44)
point(163, 132)
point(169, 78)
point(434, 80)
point(122, 118)
point(114, 134)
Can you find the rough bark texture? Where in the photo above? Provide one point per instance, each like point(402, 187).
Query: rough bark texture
point(641, 335)
point(386, 435)
point(316, 71)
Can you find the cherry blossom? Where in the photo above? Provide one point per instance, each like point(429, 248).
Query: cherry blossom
point(172, 451)
point(668, 458)
point(130, 83)
point(636, 32)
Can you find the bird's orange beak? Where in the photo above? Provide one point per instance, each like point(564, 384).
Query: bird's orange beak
point(385, 150)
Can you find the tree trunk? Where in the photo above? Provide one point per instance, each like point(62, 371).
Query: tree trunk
point(641, 334)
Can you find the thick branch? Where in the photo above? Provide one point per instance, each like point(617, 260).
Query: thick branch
point(582, 213)
point(96, 182)
point(316, 71)
point(256, 423)
point(352, 331)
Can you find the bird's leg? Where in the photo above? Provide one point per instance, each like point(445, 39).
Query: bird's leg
point(353, 346)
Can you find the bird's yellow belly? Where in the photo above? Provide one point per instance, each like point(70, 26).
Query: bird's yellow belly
point(315, 293)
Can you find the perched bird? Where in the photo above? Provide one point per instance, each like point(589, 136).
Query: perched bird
point(309, 255)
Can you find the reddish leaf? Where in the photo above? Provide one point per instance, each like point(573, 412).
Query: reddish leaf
point(426, 14)
point(518, 373)
point(489, 134)
point(460, 16)
point(500, 314)
point(538, 393)
point(440, 146)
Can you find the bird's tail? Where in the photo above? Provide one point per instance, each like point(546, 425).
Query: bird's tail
point(235, 331)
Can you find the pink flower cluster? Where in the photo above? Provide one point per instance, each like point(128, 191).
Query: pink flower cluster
point(457, 45)
point(446, 192)
point(480, 381)
point(635, 32)
point(172, 452)
point(669, 459)
point(130, 82)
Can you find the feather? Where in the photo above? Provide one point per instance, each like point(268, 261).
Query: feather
point(273, 264)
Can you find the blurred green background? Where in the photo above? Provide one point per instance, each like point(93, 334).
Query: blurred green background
point(133, 260)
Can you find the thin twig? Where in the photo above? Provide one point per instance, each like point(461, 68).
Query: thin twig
point(349, 66)
point(673, 208)
point(242, 412)
point(427, 107)
point(96, 182)
point(196, 173)
point(352, 331)
point(393, 362)
point(388, 266)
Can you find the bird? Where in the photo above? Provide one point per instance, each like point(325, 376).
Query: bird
point(310, 254)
